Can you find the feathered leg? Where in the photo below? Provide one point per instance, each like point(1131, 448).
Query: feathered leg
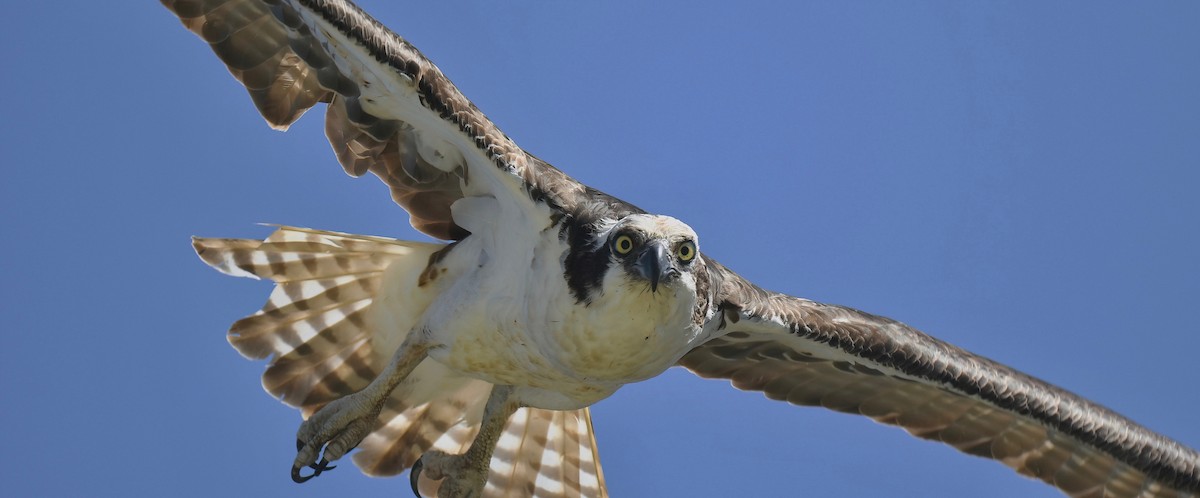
point(465, 475)
point(339, 426)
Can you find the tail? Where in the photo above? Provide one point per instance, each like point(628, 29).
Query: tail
point(324, 339)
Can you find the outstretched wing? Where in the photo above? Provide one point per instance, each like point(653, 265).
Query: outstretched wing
point(814, 354)
point(390, 111)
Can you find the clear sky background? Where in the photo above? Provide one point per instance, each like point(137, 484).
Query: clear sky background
point(1017, 179)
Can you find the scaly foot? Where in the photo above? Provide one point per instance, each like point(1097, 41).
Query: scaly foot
point(462, 476)
point(337, 427)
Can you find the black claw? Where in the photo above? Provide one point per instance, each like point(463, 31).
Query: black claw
point(297, 478)
point(318, 468)
point(414, 475)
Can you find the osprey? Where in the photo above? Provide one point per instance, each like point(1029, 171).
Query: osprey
point(473, 362)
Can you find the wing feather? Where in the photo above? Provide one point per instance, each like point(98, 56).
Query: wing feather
point(812, 354)
point(391, 111)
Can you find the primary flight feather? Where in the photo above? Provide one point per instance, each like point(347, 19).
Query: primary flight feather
point(473, 361)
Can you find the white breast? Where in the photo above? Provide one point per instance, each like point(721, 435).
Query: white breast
point(509, 318)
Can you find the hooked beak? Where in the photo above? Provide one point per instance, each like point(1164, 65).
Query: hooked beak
point(655, 264)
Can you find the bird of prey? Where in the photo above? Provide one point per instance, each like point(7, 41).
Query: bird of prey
point(473, 361)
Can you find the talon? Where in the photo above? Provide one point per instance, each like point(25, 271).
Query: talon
point(318, 468)
point(415, 474)
point(298, 479)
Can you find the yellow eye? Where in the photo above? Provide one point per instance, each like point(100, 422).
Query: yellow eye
point(623, 244)
point(686, 251)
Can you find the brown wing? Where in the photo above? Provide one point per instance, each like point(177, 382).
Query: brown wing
point(814, 354)
point(391, 111)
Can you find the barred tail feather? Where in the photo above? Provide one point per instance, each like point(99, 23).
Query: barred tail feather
point(546, 454)
point(324, 340)
point(315, 326)
point(411, 423)
point(542, 453)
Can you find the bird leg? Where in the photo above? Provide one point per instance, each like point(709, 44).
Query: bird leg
point(340, 425)
point(465, 475)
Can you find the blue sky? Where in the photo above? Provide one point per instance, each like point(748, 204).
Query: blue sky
point(1019, 180)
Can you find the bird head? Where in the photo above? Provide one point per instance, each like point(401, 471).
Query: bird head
point(649, 251)
point(652, 250)
point(639, 254)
